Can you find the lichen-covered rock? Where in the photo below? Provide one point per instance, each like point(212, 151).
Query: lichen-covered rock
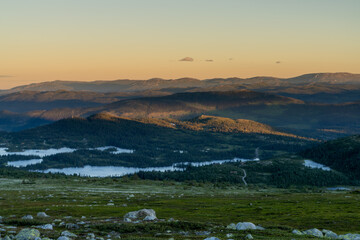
point(249, 236)
point(68, 234)
point(141, 215)
point(28, 234)
point(231, 226)
point(46, 227)
point(245, 226)
point(27, 217)
point(42, 215)
point(297, 232)
point(63, 238)
point(72, 226)
point(212, 238)
point(314, 232)
point(350, 236)
point(329, 234)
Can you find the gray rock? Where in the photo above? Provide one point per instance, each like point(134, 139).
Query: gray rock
point(249, 236)
point(27, 217)
point(28, 234)
point(229, 235)
point(68, 234)
point(203, 233)
point(42, 215)
point(297, 232)
point(231, 226)
point(63, 238)
point(350, 236)
point(259, 228)
point(329, 234)
point(150, 218)
point(212, 238)
point(314, 232)
point(46, 227)
point(72, 226)
point(245, 226)
point(141, 215)
point(6, 238)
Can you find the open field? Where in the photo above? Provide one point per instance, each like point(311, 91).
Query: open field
point(197, 207)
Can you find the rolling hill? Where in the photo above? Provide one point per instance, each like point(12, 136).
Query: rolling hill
point(157, 83)
point(341, 154)
point(155, 144)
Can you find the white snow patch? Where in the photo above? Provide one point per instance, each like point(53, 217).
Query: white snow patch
point(24, 163)
point(312, 164)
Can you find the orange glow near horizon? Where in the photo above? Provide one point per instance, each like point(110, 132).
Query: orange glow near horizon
point(107, 40)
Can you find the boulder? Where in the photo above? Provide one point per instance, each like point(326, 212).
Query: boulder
point(245, 226)
point(42, 215)
point(297, 232)
point(329, 234)
point(28, 234)
point(72, 226)
point(68, 234)
point(350, 236)
point(212, 238)
point(142, 214)
point(46, 227)
point(27, 217)
point(249, 236)
point(231, 226)
point(63, 238)
point(314, 232)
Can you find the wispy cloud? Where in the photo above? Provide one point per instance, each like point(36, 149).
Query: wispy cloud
point(5, 76)
point(209, 60)
point(187, 59)
point(277, 62)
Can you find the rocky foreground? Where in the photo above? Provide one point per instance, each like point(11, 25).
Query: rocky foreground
point(69, 228)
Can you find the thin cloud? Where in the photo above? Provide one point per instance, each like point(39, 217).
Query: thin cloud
point(187, 59)
point(209, 60)
point(5, 76)
point(230, 59)
point(277, 62)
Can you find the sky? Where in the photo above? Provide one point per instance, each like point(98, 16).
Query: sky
point(42, 40)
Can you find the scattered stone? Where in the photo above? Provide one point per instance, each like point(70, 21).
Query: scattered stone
point(259, 228)
point(350, 236)
point(329, 234)
point(249, 236)
point(142, 214)
point(72, 226)
point(231, 226)
point(46, 227)
point(28, 234)
point(314, 232)
point(297, 232)
point(212, 238)
point(42, 215)
point(63, 238)
point(27, 217)
point(229, 235)
point(245, 226)
point(68, 234)
point(203, 233)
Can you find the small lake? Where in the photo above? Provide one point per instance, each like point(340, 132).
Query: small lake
point(52, 151)
point(312, 164)
point(107, 171)
point(24, 163)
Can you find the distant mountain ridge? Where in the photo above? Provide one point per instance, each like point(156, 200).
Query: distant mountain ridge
point(158, 83)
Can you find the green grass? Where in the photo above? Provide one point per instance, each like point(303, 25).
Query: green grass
point(197, 208)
